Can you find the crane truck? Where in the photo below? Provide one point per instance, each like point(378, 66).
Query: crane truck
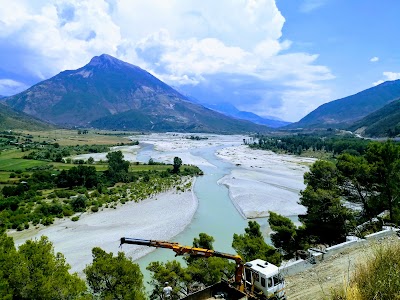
point(257, 279)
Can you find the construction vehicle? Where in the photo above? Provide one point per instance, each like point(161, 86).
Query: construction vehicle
point(257, 279)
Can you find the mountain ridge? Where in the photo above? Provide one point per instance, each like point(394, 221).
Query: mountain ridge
point(11, 119)
point(97, 93)
point(341, 113)
point(381, 123)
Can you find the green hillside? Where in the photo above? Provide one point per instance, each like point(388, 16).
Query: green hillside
point(384, 122)
point(344, 112)
point(11, 119)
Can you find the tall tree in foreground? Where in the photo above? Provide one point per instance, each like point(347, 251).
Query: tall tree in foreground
point(385, 161)
point(326, 217)
point(356, 183)
point(36, 272)
point(171, 272)
point(112, 277)
point(207, 271)
point(251, 245)
point(285, 235)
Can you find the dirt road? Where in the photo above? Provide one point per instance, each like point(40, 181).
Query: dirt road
point(317, 282)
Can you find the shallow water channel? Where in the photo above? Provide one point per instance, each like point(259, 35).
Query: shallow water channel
point(215, 215)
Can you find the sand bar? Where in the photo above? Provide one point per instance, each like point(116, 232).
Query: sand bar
point(262, 181)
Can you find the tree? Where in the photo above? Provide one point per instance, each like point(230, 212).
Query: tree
point(112, 277)
point(200, 271)
point(90, 160)
point(42, 274)
point(171, 272)
point(79, 203)
point(117, 166)
point(326, 216)
point(356, 182)
point(285, 234)
point(8, 262)
point(385, 163)
point(177, 165)
point(209, 270)
point(252, 245)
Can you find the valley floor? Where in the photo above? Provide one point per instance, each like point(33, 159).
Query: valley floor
point(258, 181)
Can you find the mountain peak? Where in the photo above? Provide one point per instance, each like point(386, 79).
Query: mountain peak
point(106, 61)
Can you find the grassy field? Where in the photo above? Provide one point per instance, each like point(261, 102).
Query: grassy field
point(11, 160)
point(71, 137)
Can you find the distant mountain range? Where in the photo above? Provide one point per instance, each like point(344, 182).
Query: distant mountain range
point(108, 93)
point(11, 120)
point(230, 110)
point(383, 122)
point(344, 112)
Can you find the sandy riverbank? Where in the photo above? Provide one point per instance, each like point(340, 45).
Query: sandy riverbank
point(264, 181)
point(161, 217)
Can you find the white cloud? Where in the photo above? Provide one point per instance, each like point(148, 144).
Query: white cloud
point(10, 87)
point(378, 82)
point(182, 42)
point(310, 5)
point(389, 76)
point(374, 59)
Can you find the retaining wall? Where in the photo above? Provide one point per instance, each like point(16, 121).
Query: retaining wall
point(301, 265)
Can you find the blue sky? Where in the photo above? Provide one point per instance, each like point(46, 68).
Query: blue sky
point(279, 58)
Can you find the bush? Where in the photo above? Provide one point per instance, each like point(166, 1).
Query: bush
point(74, 219)
point(94, 208)
point(47, 221)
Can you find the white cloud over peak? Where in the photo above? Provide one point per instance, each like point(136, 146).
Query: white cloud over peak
point(182, 42)
point(388, 76)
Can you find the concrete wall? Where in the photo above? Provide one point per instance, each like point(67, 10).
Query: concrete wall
point(301, 265)
point(295, 267)
point(380, 234)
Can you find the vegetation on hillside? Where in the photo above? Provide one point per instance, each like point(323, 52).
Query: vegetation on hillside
point(35, 271)
point(369, 181)
point(378, 277)
point(383, 122)
point(11, 119)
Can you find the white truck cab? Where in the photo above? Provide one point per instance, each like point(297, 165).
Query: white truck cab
point(263, 277)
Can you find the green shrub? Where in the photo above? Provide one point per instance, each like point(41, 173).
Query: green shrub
point(74, 219)
point(94, 208)
point(47, 221)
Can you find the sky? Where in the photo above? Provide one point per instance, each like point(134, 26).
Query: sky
point(280, 58)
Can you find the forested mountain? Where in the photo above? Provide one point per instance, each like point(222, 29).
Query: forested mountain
point(111, 94)
point(383, 122)
point(11, 120)
point(343, 112)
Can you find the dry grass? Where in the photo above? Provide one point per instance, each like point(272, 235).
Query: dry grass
point(378, 278)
